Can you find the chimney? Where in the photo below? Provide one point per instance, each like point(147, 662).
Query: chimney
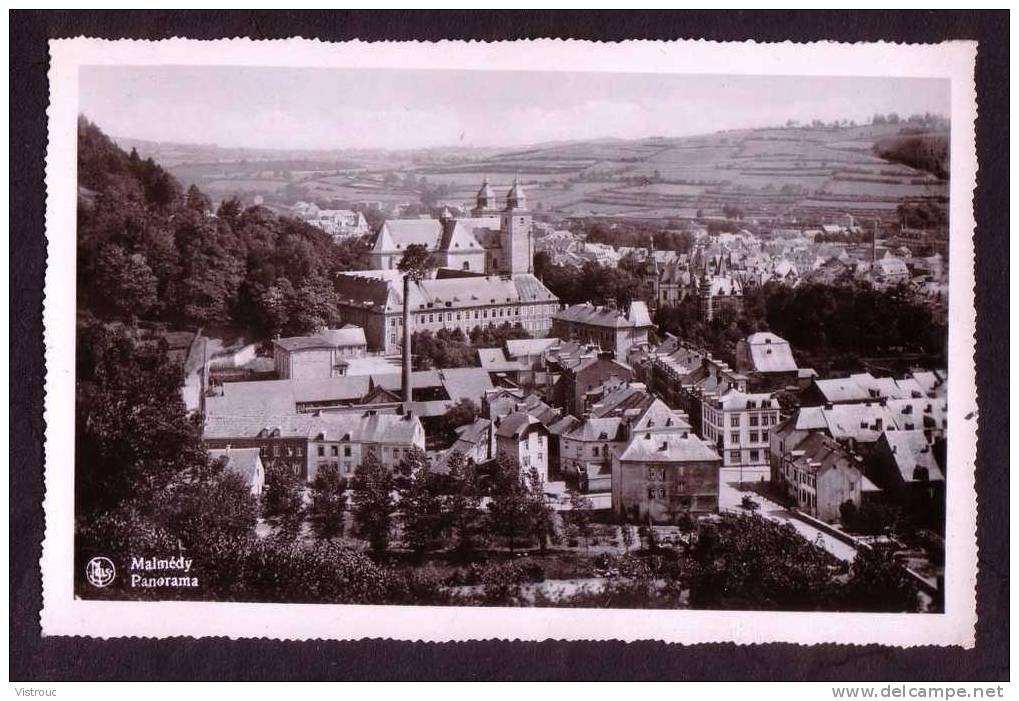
point(406, 384)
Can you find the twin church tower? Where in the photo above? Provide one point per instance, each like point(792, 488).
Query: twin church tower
point(493, 240)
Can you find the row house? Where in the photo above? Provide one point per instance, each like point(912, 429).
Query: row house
point(306, 442)
point(864, 387)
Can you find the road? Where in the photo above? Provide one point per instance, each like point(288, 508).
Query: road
point(730, 495)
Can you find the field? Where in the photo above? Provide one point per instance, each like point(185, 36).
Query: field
point(808, 173)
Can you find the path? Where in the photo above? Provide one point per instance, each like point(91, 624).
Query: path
point(730, 496)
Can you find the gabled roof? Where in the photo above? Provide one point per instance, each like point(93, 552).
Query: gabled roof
point(818, 453)
point(515, 425)
point(529, 346)
point(667, 448)
point(910, 450)
point(595, 429)
point(770, 353)
point(398, 234)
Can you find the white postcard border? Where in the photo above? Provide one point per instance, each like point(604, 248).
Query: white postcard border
point(62, 614)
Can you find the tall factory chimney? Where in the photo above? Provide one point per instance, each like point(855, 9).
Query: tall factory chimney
point(406, 341)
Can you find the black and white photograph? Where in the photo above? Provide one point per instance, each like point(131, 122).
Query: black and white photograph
point(517, 338)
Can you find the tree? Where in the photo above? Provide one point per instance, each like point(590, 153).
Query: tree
point(126, 280)
point(282, 500)
point(510, 507)
point(465, 518)
point(328, 502)
point(463, 413)
point(416, 262)
point(540, 516)
point(373, 502)
point(421, 507)
point(878, 583)
point(579, 515)
point(748, 562)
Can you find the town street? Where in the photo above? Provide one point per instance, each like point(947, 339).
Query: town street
point(755, 480)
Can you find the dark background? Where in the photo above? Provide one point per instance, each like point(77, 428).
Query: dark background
point(33, 658)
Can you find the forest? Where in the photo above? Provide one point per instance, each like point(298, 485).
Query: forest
point(149, 250)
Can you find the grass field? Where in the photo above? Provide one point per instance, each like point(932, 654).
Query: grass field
point(767, 172)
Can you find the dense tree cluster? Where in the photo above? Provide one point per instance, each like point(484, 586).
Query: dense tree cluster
point(592, 282)
point(749, 562)
point(149, 250)
point(671, 238)
point(928, 152)
point(836, 324)
point(451, 348)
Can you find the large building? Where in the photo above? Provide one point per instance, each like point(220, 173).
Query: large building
point(607, 327)
point(373, 300)
point(485, 275)
point(493, 241)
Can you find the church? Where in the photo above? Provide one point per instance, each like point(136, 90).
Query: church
point(484, 277)
point(492, 241)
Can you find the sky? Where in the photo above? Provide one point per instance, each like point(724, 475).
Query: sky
point(321, 108)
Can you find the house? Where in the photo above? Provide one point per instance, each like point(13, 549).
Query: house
point(659, 478)
point(607, 327)
point(739, 425)
point(246, 463)
point(305, 442)
point(856, 427)
point(586, 375)
point(474, 441)
point(889, 271)
point(321, 355)
point(905, 465)
point(767, 361)
point(525, 439)
point(821, 476)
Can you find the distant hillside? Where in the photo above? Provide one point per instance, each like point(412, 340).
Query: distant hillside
point(808, 174)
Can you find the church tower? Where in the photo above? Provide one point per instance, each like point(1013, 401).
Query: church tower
point(485, 203)
point(652, 275)
point(515, 234)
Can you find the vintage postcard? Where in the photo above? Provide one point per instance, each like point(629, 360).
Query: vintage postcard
point(518, 340)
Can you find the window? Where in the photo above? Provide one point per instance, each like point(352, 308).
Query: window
point(651, 492)
point(734, 421)
point(734, 437)
point(734, 456)
point(333, 450)
point(346, 451)
point(755, 455)
point(661, 492)
point(596, 451)
point(346, 467)
point(753, 436)
point(754, 420)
